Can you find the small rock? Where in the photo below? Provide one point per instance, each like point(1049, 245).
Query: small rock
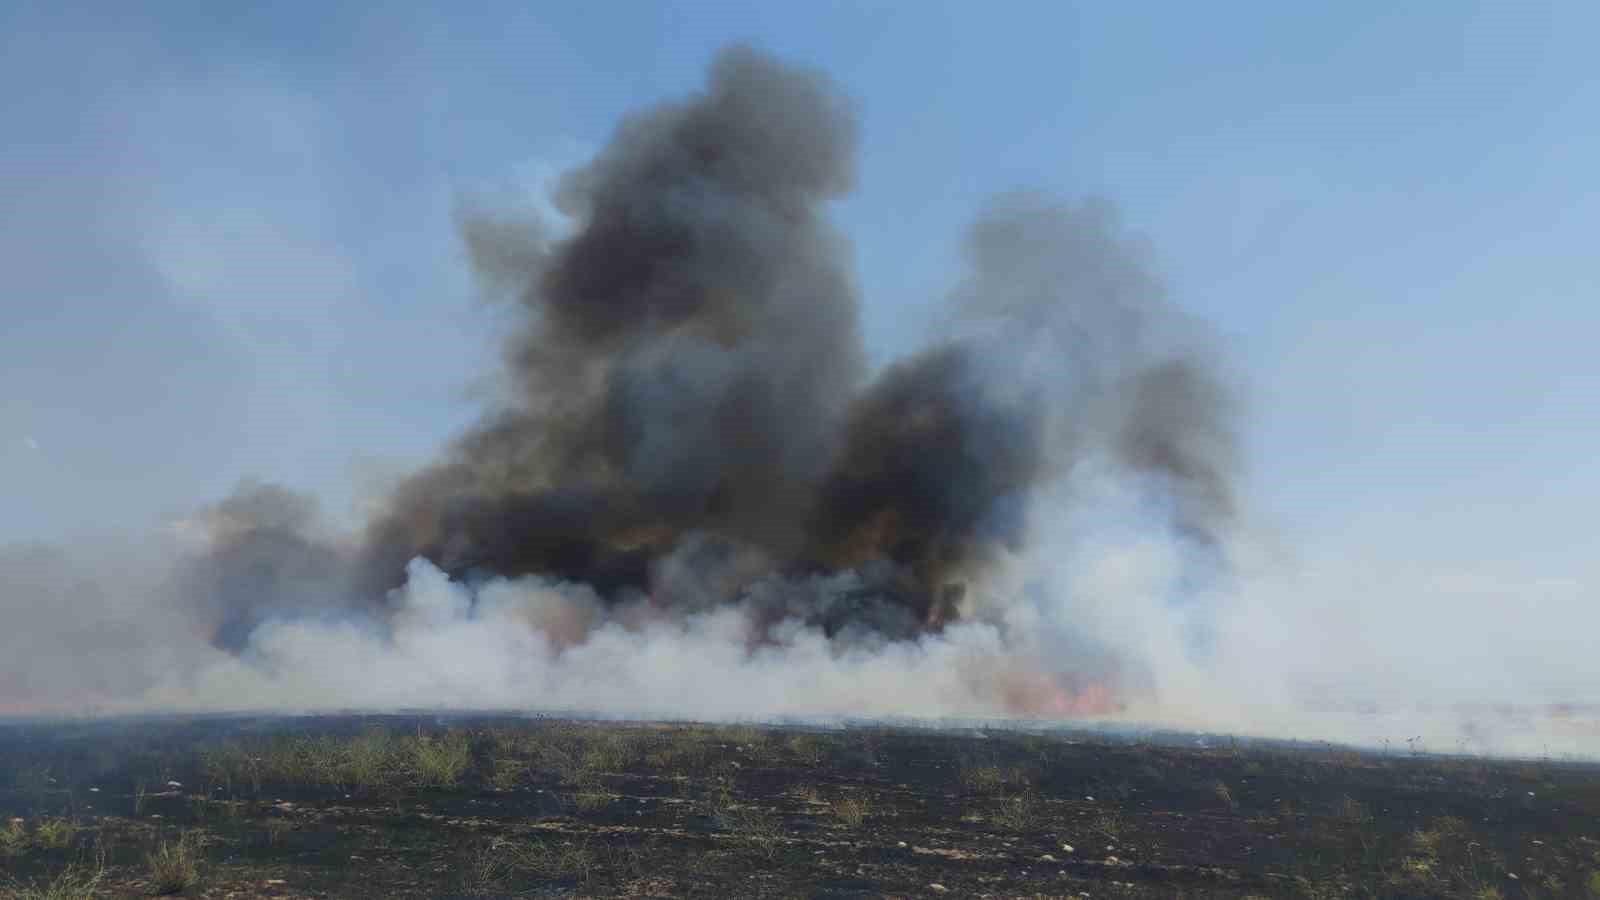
point(1512, 876)
point(1047, 858)
point(937, 888)
point(1090, 799)
point(1110, 847)
point(1112, 860)
point(901, 845)
point(1067, 848)
point(176, 784)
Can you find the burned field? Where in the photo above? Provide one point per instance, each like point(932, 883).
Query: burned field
point(408, 806)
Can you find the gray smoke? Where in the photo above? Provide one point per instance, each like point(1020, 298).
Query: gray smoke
point(686, 356)
point(265, 557)
point(689, 394)
point(694, 497)
point(689, 427)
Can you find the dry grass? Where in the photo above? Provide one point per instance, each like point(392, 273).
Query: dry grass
point(983, 779)
point(52, 833)
point(221, 763)
point(1444, 858)
point(495, 865)
point(753, 742)
point(1109, 825)
point(611, 754)
point(14, 837)
point(1018, 813)
point(369, 760)
point(851, 810)
point(568, 766)
point(565, 859)
point(55, 833)
point(1349, 809)
point(503, 859)
point(991, 779)
point(1224, 794)
point(806, 748)
point(175, 865)
point(438, 760)
point(589, 801)
point(750, 824)
point(681, 748)
point(277, 827)
point(78, 881)
point(660, 758)
point(507, 774)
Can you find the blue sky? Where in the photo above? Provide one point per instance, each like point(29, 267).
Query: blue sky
point(229, 251)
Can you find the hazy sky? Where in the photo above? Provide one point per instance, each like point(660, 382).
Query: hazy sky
point(228, 247)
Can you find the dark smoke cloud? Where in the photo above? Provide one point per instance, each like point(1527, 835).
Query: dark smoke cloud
point(690, 419)
point(265, 557)
point(688, 352)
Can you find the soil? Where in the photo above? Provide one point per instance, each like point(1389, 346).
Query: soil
point(547, 807)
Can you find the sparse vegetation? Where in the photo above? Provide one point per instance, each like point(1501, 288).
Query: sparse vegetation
point(76, 881)
point(55, 833)
point(589, 801)
point(806, 748)
point(750, 824)
point(175, 865)
point(1018, 813)
point(851, 810)
point(508, 774)
point(557, 859)
point(610, 810)
point(277, 827)
point(368, 761)
point(14, 837)
point(1349, 809)
point(988, 778)
point(438, 760)
point(748, 738)
point(1224, 794)
point(1108, 826)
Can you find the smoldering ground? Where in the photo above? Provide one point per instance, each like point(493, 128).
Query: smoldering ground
point(694, 497)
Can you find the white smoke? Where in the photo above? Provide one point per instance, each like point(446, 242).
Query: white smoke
point(1348, 650)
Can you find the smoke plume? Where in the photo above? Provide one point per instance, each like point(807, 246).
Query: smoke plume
point(688, 392)
point(691, 470)
point(693, 496)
